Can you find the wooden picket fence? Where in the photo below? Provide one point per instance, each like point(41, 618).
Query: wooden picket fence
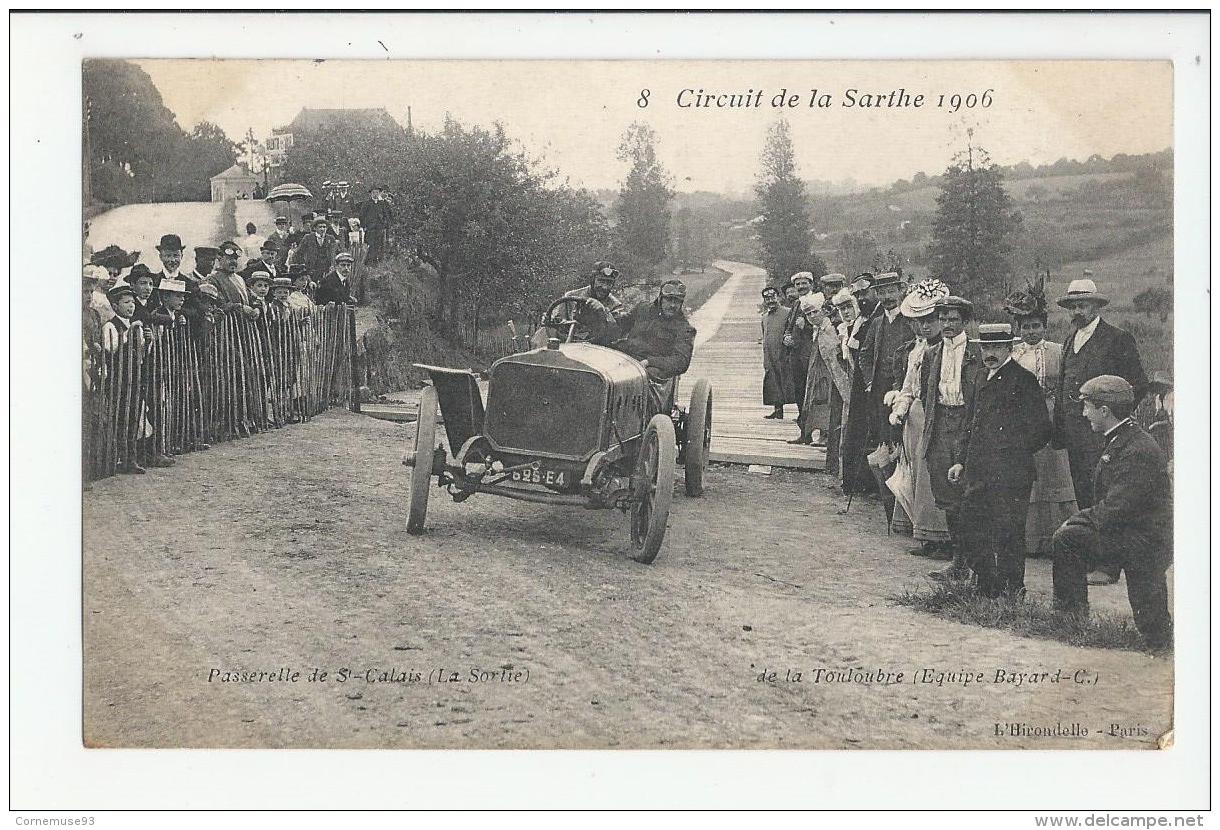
point(164, 391)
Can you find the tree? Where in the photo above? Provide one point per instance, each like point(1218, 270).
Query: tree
point(642, 231)
point(784, 237)
point(137, 151)
point(973, 227)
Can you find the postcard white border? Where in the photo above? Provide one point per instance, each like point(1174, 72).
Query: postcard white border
point(51, 770)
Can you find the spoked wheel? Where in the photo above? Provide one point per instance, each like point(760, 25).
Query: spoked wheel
point(421, 473)
point(698, 436)
point(652, 486)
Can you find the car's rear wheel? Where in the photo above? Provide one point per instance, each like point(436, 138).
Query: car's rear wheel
point(421, 473)
point(652, 486)
point(698, 436)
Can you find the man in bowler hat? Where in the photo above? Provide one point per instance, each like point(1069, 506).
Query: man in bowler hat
point(1129, 523)
point(1006, 423)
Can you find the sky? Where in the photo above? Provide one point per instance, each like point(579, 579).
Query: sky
point(573, 113)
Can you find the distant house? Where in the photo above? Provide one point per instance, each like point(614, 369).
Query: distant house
point(235, 183)
point(281, 138)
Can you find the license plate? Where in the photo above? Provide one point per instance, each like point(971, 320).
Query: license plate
point(538, 475)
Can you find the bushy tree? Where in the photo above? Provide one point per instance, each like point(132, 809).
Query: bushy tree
point(784, 238)
point(501, 234)
point(642, 230)
point(973, 227)
point(137, 151)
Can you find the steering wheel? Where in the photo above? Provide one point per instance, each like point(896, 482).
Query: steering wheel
point(572, 303)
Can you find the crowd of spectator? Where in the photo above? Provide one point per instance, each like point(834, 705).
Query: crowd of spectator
point(991, 448)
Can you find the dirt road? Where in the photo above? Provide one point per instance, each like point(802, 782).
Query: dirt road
point(288, 551)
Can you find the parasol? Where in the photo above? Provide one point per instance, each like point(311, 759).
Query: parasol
point(288, 193)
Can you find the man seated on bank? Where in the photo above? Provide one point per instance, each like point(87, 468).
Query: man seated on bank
point(659, 336)
point(600, 311)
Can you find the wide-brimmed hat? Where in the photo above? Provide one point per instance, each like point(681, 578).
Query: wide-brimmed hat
point(1160, 381)
point(1083, 290)
point(813, 301)
point(170, 242)
point(112, 256)
point(95, 273)
point(995, 333)
point(138, 270)
point(921, 300)
point(888, 278)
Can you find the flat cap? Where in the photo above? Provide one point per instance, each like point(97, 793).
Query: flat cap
point(1107, 389)
point(120, 290)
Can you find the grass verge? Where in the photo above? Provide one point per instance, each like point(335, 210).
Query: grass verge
point(960, 602)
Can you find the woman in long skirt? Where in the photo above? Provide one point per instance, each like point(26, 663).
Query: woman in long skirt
point(924, 520)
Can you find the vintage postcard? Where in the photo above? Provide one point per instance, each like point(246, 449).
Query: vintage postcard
point(675, 403)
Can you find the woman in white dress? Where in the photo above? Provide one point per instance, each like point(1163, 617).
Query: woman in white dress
point(1053, 499)
point(919, 516)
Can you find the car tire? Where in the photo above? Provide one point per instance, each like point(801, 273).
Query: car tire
point(653, 488)
point(421, 473)
point(698, 436)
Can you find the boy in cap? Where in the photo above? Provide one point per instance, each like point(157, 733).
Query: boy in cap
point(147, 303)
point(116, 330)
point(1006, 423)
point(281, 288)
point(259, 284)
point(335, 287)
point(170, 308)
point(1130, 522)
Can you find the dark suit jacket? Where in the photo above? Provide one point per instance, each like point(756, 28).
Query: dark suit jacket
point(334, 290)
point(1110, 351)
point(881, 359)
point(929, 382)
point(317, 258)
point(1132, 488)
point(1006, 423)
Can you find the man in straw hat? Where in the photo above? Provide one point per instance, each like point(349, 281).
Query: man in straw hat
point(1130, 522)
point(947, 379)
point(1093, 347)
point(1006, 423)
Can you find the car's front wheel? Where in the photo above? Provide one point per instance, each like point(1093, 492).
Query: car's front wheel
point(652, 488)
